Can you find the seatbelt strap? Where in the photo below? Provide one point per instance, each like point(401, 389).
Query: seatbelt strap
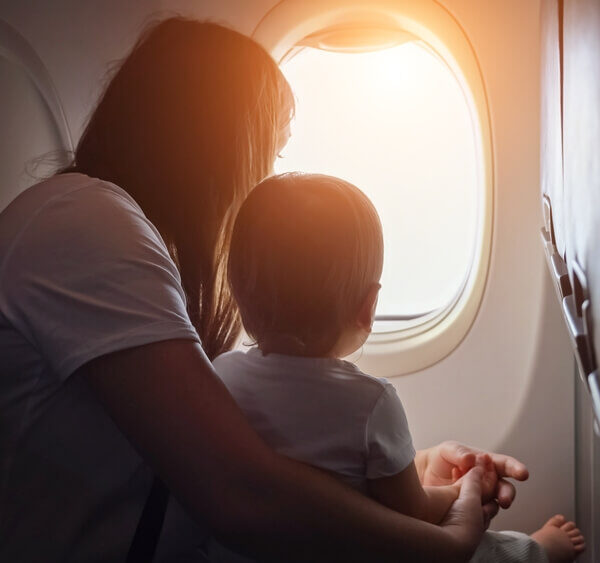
point(145, 539)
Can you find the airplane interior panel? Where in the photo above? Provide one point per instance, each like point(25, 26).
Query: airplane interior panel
point(580, 26)
point(29, 103)
point(551, 116)
point(506, 362)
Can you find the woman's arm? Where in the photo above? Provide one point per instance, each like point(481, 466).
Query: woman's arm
point(404, 493)
point(167, 400)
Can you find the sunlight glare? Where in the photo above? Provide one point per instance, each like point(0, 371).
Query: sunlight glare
point(396, 124)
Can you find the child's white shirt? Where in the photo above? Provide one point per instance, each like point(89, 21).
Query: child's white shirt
point(322, 411)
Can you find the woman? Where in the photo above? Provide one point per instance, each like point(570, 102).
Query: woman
point(111, 274)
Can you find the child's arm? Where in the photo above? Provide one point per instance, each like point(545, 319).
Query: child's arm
point(391, 473)
point(390, 467)
point(404, 493)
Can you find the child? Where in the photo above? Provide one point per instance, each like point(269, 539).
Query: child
point(305, 262)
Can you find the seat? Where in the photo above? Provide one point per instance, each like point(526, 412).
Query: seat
point(35, 138)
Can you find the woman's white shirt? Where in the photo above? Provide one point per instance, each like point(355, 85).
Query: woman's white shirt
point(82, 273)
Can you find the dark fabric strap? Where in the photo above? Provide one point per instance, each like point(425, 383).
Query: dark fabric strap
point(145, 539)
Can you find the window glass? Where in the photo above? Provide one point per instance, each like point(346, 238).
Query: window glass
point(396, 124)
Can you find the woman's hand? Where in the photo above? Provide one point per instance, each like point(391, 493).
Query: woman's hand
point(445, 463)
point(489, 479)
point(466, 520)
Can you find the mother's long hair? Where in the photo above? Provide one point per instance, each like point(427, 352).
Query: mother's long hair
point(189, 123)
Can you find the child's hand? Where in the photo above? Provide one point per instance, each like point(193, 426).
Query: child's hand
point(489, 479)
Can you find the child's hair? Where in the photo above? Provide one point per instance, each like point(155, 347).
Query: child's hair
point(304, 253)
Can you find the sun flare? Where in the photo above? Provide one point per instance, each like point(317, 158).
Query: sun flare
point(397, 124)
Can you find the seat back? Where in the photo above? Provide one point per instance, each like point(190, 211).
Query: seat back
point(34, 137)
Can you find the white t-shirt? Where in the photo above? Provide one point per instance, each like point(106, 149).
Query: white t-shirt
point(82, 273)
point(321, 411)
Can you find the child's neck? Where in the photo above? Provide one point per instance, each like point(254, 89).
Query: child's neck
point(289, 346)
point(294, 347)
point(348, 341)
point(290, 351)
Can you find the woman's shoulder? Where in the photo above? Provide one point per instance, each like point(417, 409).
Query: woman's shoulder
point(74, 188)
point(73, 208)
point(72, 221)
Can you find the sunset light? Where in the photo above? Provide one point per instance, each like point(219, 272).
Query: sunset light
point(397, 124)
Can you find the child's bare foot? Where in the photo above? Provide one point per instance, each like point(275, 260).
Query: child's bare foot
point(561, 540)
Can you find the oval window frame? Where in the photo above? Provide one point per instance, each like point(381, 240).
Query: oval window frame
point(426, 341)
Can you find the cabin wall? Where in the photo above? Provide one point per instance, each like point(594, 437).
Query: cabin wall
point(578, 205)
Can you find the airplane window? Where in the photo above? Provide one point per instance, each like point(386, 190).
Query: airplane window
point(394, 122)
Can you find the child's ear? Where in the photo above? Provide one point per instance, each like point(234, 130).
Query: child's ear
point(366, 313)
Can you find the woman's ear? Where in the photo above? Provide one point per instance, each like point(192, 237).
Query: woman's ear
point(366, 313)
